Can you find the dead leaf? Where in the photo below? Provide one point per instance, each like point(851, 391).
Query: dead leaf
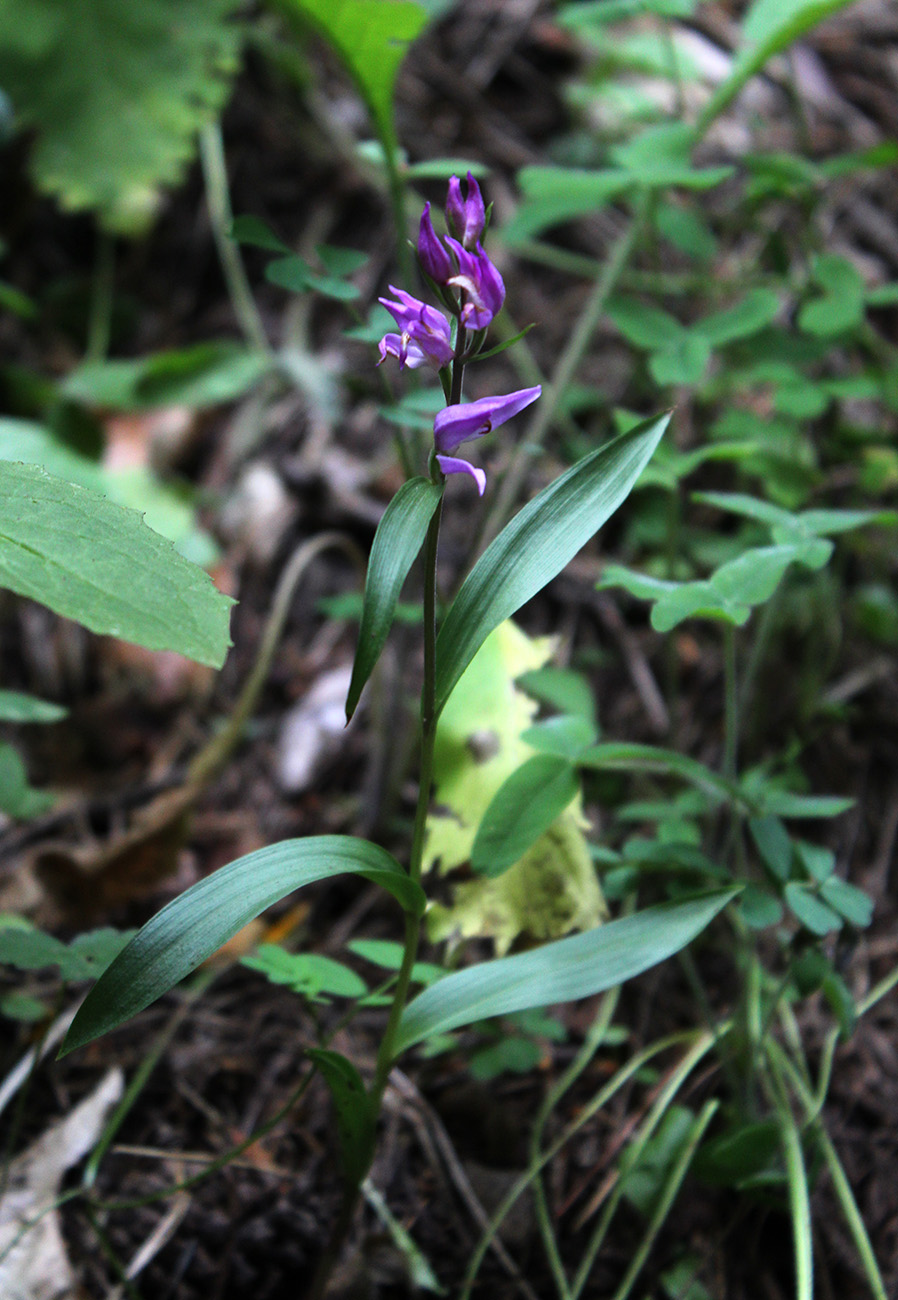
point(33, 1260)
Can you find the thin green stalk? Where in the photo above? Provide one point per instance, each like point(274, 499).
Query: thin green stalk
point(796, 1177)
point(730, 765)
point(99, 327)
point(218, 201)
point(667, 1197)
point(604, 1095)
point(672, 1086)
point(590, 1045)
point(545, 410)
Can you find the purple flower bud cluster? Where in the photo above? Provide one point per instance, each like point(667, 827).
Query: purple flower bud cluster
point(472, 288)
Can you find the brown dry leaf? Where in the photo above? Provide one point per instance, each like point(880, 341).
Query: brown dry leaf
point(33, 1260)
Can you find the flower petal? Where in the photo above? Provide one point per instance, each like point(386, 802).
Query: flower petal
point(457, 424)
point(452, 465)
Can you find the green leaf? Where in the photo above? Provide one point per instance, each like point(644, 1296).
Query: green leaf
point(253, 231)
point(372, 40)
point(683, 362)
point(196, 924)
point(205, 374)
point(773, 844)
point(310, 974)
point(757, 309)
point(17, 707)
point(356, 1118)
point(563, 735)
point(388, 954)
point(523, 808)
point(563, 688)
point(116, 95)
point(813, 914)
point(98, 563)
point(850, 902)
point(537, 544)
point(769, 26)
point(17, 797)
point(562, 971)
point(644, 325)
point(628, 757)
point(86, 957)
point(759, 907)
point(399, 537)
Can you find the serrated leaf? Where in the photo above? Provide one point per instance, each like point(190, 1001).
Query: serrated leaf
point(537, 544)
point(98, 563)
point(372, 40)
point(196, 924)
point(86, 957)
point(522, 809)
point(108, 142)
point(356, 1119)
point(310, 974)
point(397, 542)
point(562, 971)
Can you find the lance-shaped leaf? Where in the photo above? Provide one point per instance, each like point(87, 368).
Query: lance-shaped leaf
point(562, 971)
point(356, 1118)
point(196, 924)
point(537, 544)
point(98, 563)
point(399, 537)
point(523, 808)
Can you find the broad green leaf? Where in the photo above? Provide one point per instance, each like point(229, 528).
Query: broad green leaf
point(556, 194)
point(553, 889)
point(356, 1118)
point(587, 13)
point(206, 374)
point(735, 588)
point(563, 735)
point(783, 803)
point(372, 40)
point(99, 564)
point(86, 957)
point(537, 544)
point(773, 843)
point(643, 324)
point(17, 797)
point(769, 27)
point(562, 971)
point(624, 756)
point(759, 907)
point(399, 537)
point(310, 974)
point(388, 954)
point(810, 910)
point(563, 688)
point(34, 444)
point(116, 94)
point(17, 707)
point(196, 924)
point(251, 230)
point(746, 317)
point(523, 809)
point(683, 362)
point(850, 902)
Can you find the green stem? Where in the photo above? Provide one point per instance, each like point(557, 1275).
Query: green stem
point(99, 326)
point(218, 201)
point(731, 705)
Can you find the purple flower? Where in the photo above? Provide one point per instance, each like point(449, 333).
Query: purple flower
point(453, 465)
point(481, 285)
point(457, 424)
point(465, 217)
point(425, 333)
point(432, 255)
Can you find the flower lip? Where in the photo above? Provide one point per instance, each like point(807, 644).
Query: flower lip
point(482, 284)
point(421, 325)
point(453, 465)
point(454, 425)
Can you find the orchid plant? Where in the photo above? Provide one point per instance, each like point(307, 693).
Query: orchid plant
point(530, 551)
